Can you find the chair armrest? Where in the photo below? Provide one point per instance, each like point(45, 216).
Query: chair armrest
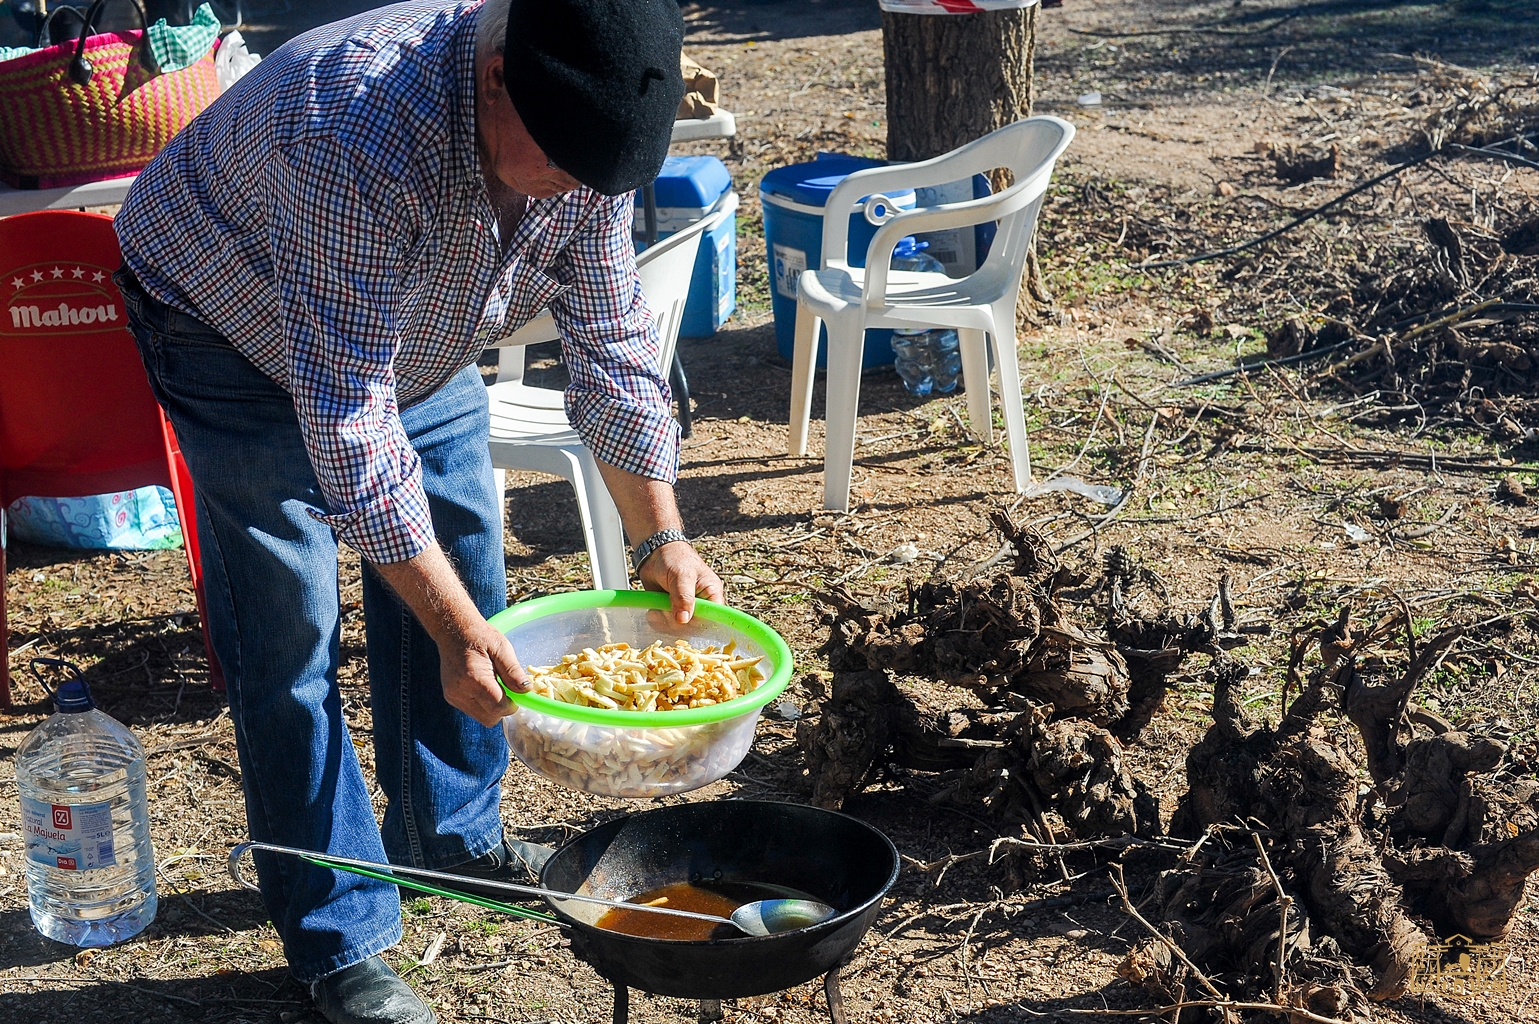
point(537, 331)
point(847, 194)
point(938, 218)
point(1000, 148)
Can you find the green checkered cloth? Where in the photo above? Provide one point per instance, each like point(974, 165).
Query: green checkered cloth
point(184, 45)
point(175, 46)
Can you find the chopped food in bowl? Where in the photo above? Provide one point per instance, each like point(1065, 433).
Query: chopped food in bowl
point(686, 699)
point(656, 678)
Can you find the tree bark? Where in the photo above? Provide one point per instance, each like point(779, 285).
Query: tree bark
point(955, 78)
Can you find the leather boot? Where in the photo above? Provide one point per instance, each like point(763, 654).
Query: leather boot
point(369, 993)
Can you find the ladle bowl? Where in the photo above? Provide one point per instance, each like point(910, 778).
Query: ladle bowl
point(771, 917)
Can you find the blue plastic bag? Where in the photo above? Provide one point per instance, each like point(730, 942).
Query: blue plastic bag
point(140, 520)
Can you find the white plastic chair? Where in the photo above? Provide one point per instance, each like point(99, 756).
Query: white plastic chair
point(851, 299)
point(530, 430)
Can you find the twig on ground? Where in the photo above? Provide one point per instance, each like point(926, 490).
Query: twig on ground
point(1302, 218)
point(966, 942)
point(191, 741)
point(1095, 425)
point(1218, 511)
point(1216, 1004)
point(1451, 318)
point(946, 863)
point(1284, 904)
point(1175, 950)
point(1389, 459)
point(1262, 364)
point(1191, 30)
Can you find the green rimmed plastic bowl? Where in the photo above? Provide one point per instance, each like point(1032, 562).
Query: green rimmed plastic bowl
point(635, 754)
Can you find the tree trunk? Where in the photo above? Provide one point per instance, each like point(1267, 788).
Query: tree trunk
point(955, 78)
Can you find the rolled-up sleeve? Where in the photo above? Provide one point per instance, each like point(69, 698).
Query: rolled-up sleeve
point(618, 401)
point(336, 260)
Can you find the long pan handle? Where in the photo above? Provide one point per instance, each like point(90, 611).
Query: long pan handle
point(368, 869)
point(406, 876)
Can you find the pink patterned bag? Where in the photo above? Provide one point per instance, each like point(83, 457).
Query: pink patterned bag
point(93, 108)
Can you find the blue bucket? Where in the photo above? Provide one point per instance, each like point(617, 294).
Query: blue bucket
point(793, 199)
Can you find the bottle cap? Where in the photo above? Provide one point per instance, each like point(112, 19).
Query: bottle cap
point(908, 247)
point(73, 697)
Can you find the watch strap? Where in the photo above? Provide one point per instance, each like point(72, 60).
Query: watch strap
point(642, 551)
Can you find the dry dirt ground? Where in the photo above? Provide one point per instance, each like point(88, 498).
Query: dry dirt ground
point(1274, 478)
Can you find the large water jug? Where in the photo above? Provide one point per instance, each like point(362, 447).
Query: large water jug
point(90, 865)
point(926, 359)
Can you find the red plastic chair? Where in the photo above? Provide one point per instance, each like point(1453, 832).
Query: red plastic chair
point(77, 416)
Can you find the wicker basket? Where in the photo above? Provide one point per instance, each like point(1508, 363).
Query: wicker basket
point(55, 132)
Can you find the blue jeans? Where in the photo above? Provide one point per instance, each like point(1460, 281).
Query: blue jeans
point(270, 572)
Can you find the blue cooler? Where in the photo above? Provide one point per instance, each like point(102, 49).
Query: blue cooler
point(793, 199)
point(688, 190)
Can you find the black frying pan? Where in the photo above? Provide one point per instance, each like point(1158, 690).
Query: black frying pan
point(832, 857)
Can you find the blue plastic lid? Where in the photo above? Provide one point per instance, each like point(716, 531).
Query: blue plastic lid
point(826, 183)
point(908, 247)
point(690, 181)
point(73, 697)
point(811, 183)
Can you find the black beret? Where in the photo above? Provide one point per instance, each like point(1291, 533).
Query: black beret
point(597, 84)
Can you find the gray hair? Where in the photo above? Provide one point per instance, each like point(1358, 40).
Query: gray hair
point(491, 28)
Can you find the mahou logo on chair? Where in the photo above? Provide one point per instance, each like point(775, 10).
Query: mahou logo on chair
point(60, 295)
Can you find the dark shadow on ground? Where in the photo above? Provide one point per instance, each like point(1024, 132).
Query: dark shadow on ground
point(1121, 996)
point(22, 946)
point(178, 914)
point(737, 372)
point(225, 998)
point(732, 20)
point(544, 515)
point(740, 371)
point(1336, 41)
point(152, 668)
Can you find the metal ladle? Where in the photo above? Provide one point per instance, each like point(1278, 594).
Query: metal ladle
point(761, 917)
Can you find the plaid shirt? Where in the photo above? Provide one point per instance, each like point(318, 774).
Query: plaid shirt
point(328, 216)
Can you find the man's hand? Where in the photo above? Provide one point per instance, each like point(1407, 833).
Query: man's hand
point(647, 506)
point(677, 570)
point(469, 667)
point(471, 654)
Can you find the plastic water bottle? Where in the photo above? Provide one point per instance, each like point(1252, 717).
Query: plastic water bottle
point(926, 359)
point(90, 865)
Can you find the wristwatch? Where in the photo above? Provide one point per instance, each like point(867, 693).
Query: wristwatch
point(642, 551)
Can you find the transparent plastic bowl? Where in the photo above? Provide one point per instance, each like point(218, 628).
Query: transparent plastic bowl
point(634, 753)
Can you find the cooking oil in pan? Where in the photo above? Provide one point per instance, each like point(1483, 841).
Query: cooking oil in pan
point(719, 898)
